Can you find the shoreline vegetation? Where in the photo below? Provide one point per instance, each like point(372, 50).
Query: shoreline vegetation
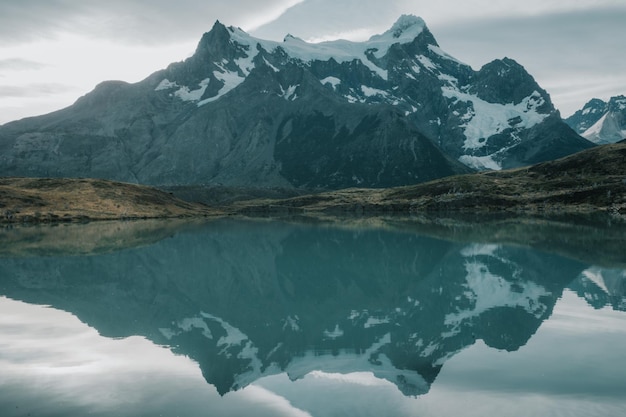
point(588, 182)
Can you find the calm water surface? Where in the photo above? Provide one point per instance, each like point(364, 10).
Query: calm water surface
point(275, 318)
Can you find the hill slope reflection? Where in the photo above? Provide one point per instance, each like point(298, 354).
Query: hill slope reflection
point(250, 299)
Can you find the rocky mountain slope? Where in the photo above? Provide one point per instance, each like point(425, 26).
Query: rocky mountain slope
point(590, 181)
point(242, 111)
point(601, 122)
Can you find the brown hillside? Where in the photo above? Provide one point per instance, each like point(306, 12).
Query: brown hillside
point(54, 199)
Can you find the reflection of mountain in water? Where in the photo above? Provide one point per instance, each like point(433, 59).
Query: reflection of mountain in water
point(601, 287)
point(247, 299)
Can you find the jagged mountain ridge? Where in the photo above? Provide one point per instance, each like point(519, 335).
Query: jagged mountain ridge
point(393, 110)
point(601, 122)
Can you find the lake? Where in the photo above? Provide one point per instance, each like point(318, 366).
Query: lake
point(314, 317)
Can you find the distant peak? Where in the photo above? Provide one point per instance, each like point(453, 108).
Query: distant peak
point(595, 103)
point(508, 62)
point(217, 31)
point(617, 103)
point(290, 38)
point(215, 43)
point(218, 25)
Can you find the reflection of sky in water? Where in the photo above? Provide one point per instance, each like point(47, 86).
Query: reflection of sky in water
point(573, 366)
point(49, 359)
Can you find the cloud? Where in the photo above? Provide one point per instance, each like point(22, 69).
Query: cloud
point(325, 19)
point(581, 38)
point(34, 90)
point(313, 19)
point(19, 64)
point(138, 21)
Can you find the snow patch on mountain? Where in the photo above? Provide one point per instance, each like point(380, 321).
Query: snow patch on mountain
point(480, 250)
point(234, 336)
point(366, 379)
point(590, 110)
point(601, 122)
point(372, 92)
point(481, 163)
point(340, 50)
point(374, 321)
point(231, 80)
point(292, 323)
point(333, 334)
point(185, 94)
point(426, 63)
point(610, 281)
point(270, 65)
point(444, 54)
point(606, 130)
point(186, 325)
point(334, 81)
point(593, 132)
point(487, 290)
point(348, 365)
point(429, 350)
point(235, 340)
point(290, 93)
point(449, 79)
point(485, 119)
point(166, 85)
point(595, 275)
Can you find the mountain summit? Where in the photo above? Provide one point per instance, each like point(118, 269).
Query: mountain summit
point(393, 110)
point(601, 122)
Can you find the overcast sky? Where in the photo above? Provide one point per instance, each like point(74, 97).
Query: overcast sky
point(54, 51)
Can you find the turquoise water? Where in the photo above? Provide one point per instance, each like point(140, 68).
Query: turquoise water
point(276, 318)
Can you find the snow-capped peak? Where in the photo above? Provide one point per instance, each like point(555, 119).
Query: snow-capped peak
point(611, 126)
point(233, 53)
point(406, 28)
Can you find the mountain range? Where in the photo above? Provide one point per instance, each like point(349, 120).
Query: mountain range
point(241, 111)
point(601, 122)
